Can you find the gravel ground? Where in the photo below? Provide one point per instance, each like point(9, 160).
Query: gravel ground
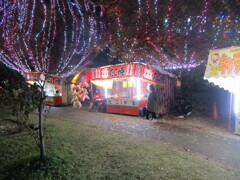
point(194, 134)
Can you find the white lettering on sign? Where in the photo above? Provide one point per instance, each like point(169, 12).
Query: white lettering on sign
point(129, 70)
point(98, 73)
point(105, 73)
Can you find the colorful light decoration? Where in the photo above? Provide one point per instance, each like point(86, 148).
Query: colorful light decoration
point(131, 53)
point(47, 36)
point(59, 36)
point(182, 55)
point(156, 14)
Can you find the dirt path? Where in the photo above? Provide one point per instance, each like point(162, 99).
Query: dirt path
point(214, 145)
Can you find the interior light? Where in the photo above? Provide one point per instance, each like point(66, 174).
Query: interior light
point(132, 78)
point(138, 88)
point(106, 92)
point(236, 104)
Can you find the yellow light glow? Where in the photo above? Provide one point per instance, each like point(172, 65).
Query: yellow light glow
point(124, 84)
point(74, 80)
point(103, 83)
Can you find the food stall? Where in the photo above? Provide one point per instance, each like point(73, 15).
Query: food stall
point(54, 87)
point(125, 86)
point(223, 69)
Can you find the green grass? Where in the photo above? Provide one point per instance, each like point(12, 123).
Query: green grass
point(79, 151)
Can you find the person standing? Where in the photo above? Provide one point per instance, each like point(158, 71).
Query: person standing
point(152, 103)
point(97, 99)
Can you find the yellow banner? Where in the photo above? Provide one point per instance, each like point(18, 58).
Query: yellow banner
point(223, 63)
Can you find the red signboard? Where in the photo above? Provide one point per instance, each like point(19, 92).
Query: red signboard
point(126, 70)
point(36, 76)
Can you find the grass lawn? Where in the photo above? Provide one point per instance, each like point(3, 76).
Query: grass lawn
point(79, 151)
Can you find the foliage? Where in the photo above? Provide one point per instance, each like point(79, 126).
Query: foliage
point(18, 97)
point(22, 99)
point(52, 168)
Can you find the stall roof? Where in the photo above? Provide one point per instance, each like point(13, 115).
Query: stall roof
point(162, 71)
point(223, 68)
point(134, 69)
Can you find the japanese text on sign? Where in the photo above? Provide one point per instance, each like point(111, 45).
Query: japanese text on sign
point(228, 64)
point(127, 70)
point(35, 76)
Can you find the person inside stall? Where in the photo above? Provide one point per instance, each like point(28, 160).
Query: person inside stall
point(34, 88)
point(89, 92)
point(144, 93)
point(57, 93)
point(97, 100)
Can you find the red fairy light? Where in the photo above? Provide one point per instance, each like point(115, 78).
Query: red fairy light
point(148, 38)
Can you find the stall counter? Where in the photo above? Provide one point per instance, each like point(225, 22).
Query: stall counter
point(53, 100)
point(125, 105)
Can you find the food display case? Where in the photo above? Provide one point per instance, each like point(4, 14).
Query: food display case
point(53, 100)
point(54, 95)
point(126, 97)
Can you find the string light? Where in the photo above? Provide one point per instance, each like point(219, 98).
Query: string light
point(219, 25)
point(139, 13)
point(156, 14)
point(59, 36)
point(203, 16)
point(48, 36)
point(147, 16)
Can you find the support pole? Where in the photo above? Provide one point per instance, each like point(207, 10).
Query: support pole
point(230, 112)
point(91, 91)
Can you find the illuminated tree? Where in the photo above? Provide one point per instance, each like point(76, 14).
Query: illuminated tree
point(170, 34)
point(55, 37)
point(60, 36)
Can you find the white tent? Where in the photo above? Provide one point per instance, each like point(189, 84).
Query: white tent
point(223, 69)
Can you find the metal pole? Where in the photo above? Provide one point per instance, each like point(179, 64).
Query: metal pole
point(91, 91)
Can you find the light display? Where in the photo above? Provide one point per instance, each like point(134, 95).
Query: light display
point(170, 34)
point(60, 36)
point(54, 36)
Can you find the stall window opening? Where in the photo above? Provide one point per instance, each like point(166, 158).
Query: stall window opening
point(124, 88)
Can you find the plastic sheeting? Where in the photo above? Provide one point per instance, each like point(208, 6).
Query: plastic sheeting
point(223, 69)
point(230, 84)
